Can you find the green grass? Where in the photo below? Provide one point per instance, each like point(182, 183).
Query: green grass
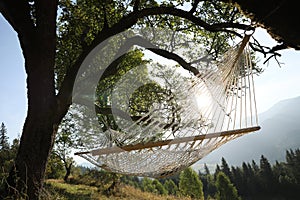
point(58, 190)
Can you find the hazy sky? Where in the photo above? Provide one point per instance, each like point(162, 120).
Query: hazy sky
point(273, 85)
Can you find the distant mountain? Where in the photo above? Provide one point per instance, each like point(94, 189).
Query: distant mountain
point(280, 131)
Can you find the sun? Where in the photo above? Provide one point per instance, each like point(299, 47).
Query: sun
point(204, 100)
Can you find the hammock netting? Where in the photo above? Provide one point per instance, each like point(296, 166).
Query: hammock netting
point(157, 145)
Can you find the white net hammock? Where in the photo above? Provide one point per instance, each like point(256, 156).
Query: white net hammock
point(157, 146)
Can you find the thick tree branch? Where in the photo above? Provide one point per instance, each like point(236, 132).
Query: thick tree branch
point(137, 40)
point(189, 16)
point(176, 58)
point(46, 12)
point(125, 23)
point(17, 13)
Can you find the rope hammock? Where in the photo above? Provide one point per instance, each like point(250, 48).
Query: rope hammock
point(157, 145)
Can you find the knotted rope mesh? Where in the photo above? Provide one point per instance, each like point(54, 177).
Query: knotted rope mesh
point(210, 109)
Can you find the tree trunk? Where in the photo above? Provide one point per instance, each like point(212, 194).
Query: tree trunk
point(26, 179)
point(44, 111)
point(68, 171)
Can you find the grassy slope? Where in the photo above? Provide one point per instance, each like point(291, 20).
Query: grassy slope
point(58, 190)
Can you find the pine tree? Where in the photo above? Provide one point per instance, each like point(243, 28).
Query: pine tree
point(159, 188)
point(297, 165)
point(211, 186)
point(255, 167)
point(225, 168)
point(203, 179)
point(3, 137)
point(171, 187)
point(266, 175)
point(147, 185)
point(290, 156)
point(7, 158)
point(207, 172)
point(190, 184)
point(238, 180)
point(292, 177)
point(293, 163)
point(217, 170)
point(254, 179)
point(226, 190)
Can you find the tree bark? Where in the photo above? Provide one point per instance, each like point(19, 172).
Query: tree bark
point(40, 127)
point(26, 180)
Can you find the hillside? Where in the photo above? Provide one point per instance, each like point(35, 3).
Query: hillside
point(280, 131)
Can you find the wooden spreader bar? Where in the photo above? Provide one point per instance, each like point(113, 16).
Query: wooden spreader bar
point(139, 146)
